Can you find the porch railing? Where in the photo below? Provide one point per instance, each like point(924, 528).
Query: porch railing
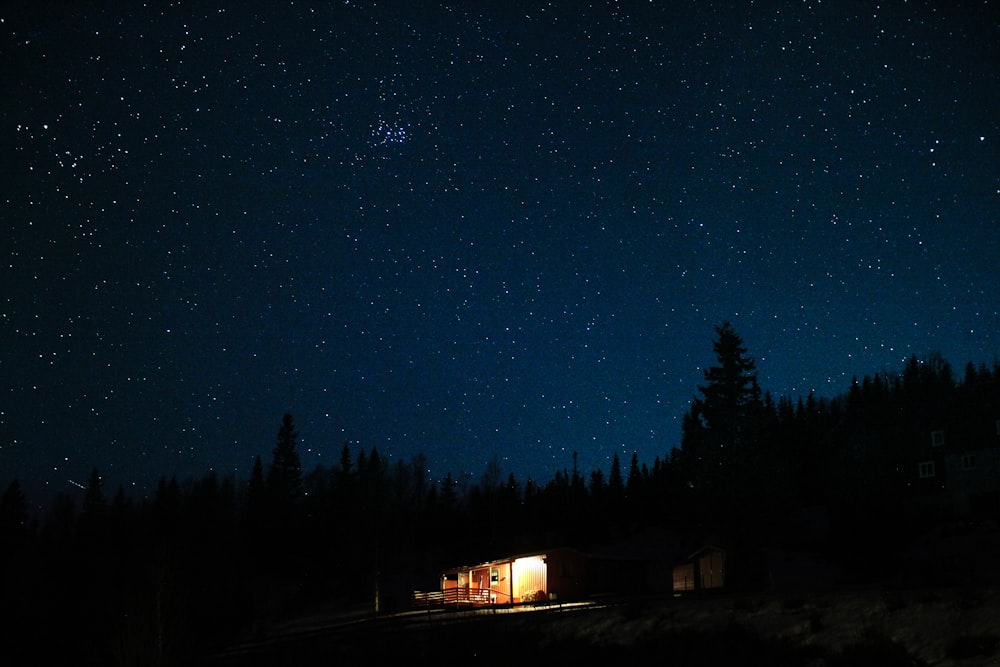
point(459, 596)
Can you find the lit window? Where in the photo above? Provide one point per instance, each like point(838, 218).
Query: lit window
point(968, 461)
point(937, 438)
point(926, 469)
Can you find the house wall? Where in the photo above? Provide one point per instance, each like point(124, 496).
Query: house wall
point(965, 483)
point(567, 572)
point(530, 580)
point(559, 575)
point(684, 579)
point(500, 583)
point(711, 567)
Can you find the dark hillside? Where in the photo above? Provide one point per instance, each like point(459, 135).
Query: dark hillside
point(883, 627)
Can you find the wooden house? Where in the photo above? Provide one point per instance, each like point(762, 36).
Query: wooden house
point(961, 470)
point(704, 569)
point(556, 575)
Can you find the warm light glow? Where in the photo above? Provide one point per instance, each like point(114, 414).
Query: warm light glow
point(529, 576)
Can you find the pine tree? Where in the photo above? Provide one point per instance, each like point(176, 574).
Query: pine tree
point(284, 480)
point(597, 484)
point(723, 423)
point(345, 460)
point(616, 484)
point(448, 497)
point(256, 487)
point(254, 517)
point(167, 505)
point(93, 498)
point(731, 397)
point(633, 484)
point(13, 513)
point(95, 505)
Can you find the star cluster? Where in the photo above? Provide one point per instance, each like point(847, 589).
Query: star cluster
point(474, 231)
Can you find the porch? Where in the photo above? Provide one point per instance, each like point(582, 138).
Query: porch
point(464, 596)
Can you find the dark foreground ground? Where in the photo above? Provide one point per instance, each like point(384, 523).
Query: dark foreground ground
point(948, 626)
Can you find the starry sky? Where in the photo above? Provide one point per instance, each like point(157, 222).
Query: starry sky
point(473, 229)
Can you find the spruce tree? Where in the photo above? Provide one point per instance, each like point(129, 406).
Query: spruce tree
point(633, 484)
point(723, 423)
point(256, 487)
point(616, 483)
point(93, 498)
point(95, 505)
point(345, 460)
point(13, 513)
point(284, 479)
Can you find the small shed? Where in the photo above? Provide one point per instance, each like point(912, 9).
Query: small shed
point(705, 569)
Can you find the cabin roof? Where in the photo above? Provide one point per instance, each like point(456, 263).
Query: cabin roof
point(705, 548)
point(511, 558)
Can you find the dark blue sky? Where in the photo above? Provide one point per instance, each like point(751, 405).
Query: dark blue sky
point(473, 229)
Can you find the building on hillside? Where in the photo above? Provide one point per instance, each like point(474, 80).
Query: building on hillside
point(705, 569)
point(963, 469)
point(556, 575)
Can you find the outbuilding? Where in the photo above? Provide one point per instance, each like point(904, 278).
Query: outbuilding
point(705, 569)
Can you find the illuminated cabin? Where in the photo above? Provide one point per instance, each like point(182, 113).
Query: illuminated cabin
point(556, 575)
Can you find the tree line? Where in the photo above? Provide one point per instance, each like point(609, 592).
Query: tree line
point(208, 559)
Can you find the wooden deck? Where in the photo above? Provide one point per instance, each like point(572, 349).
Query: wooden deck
point(460, 596)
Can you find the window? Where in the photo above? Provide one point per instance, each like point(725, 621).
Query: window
point(968, 461)
point(926, 469)
point(937, 438)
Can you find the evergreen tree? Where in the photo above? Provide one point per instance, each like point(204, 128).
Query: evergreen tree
point(121, 512)
point(725, 420)
point(256, 489)
point(597, 485)
point(616, 484)
point(167, 505)
point(345, 460)
point(255, 519)
point(448, 496)
point(95, 505)
point(633, 485)
point(577, 484)
point(93, 498)
point(284, 480)
point(420, 483)
point(13, 512)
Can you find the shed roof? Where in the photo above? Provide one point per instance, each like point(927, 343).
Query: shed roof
point(707, 547)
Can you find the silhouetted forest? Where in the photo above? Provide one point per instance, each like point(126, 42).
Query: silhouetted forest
point(119, 580)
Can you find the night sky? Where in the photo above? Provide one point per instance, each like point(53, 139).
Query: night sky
point(473, 230)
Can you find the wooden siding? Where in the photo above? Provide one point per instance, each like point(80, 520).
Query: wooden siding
point(566, 575)
point(530, 579)
point(500, 584)
point(684, 579)
point(557, 575)
point(704, 569)
point(711, 567)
